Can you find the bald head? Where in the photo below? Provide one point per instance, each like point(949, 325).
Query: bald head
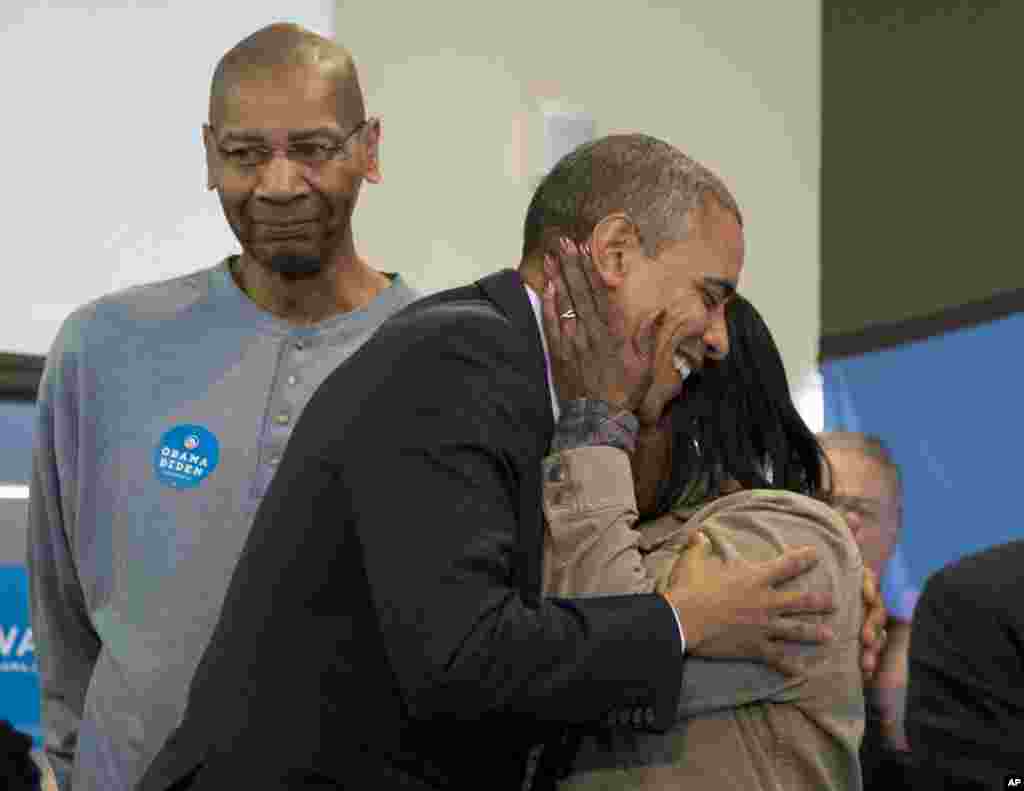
point(870, 447)
point(281, 46)
point(865, 487)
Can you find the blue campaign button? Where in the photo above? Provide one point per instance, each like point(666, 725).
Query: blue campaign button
point(186, 456)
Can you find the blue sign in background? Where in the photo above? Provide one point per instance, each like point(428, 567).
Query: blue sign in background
point(19, 673)
point(949, 408)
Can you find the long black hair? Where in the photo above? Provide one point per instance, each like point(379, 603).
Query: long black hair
point(736, 421)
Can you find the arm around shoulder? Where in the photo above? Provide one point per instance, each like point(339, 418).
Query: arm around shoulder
point(755, 527)
point(465, 405)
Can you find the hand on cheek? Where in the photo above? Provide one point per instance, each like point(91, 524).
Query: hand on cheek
point(667, 382)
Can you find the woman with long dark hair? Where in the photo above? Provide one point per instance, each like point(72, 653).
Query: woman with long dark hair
point(738, 426)
point(747, 479)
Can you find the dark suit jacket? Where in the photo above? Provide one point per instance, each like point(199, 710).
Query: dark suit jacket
point(384, 626)
point(965, 695)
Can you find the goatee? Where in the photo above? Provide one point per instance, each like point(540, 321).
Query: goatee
point(294, 266)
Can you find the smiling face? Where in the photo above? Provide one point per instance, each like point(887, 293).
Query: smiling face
point(287, 159)
point(692, 281)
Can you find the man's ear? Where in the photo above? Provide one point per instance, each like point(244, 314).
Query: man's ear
point(213, 163)
point(373, 135)
point(615, 244)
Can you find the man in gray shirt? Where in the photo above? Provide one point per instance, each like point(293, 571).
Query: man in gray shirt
point(164, 409)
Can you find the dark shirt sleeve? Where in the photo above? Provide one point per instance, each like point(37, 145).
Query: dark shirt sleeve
point(965, 698)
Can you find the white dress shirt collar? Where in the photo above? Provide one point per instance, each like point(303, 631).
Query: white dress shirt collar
point(535, 304)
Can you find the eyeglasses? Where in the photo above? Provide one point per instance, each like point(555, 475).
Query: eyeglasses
point(249, 155)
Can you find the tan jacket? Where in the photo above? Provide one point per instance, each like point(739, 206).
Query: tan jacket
point(741, 724)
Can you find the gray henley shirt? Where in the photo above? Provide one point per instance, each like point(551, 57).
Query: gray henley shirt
point(163, 410)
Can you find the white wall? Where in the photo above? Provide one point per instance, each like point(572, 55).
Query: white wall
point(102, 155)
point(460, 86)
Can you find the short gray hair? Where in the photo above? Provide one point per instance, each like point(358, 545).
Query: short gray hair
point(655, 184)
point(870, 445)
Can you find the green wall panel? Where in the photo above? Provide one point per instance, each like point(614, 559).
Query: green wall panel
point(921, 163)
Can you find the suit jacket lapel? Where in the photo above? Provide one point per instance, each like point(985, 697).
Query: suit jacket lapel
point(506, 290)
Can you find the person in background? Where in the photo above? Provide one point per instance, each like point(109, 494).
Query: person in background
point(965, 699)
point(164, 409)
point(747, 482)
point(867, 490)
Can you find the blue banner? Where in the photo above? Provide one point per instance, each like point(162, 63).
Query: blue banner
point(19, 673)
point(949, 408)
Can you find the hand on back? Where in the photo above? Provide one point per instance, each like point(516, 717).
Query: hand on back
point(734, 609)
